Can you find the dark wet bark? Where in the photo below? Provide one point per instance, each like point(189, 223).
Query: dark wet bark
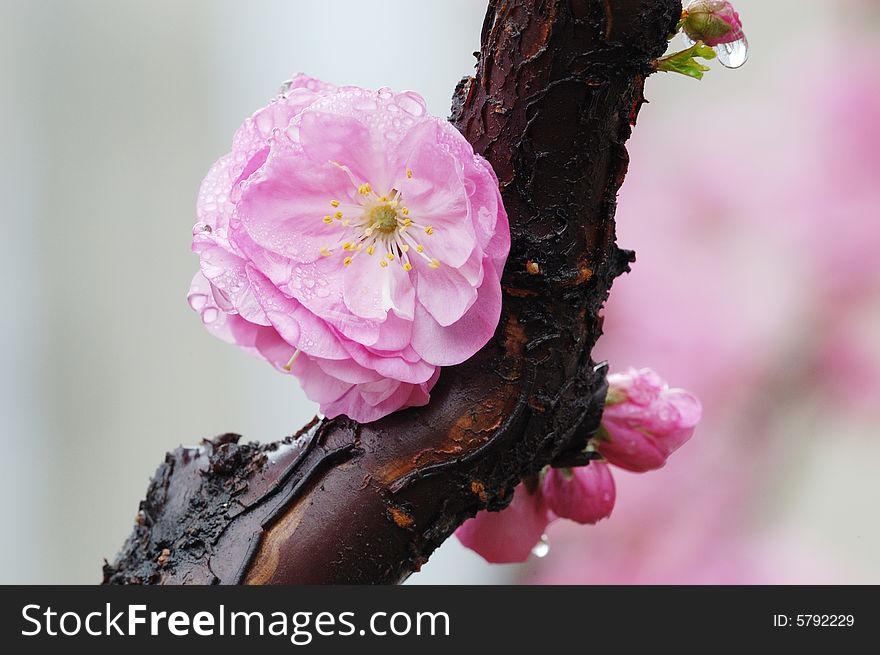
point(558, 86)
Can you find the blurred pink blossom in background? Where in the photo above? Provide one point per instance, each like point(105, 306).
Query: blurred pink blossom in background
point(757, 286)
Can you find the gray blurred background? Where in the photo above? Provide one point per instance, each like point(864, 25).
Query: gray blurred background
point(112, 113)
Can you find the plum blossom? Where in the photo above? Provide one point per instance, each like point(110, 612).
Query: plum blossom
point(354, 241)
point(644, 423)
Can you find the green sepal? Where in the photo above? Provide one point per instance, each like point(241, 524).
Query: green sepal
point(685, 62)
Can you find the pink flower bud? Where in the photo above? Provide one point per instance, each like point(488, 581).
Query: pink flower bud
point(585, 495)
point(714, 22)
point(645, 421)
point(508, 536)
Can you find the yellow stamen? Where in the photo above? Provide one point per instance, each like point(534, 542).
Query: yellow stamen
point(383, 264)
point(409, 173)
point(346, 222)
point(429, 230)
point(325, 251)
point(407, 267)
point(435, 263)
point(390, 257)
point(404, 248)
point(405, 211)
point(407, 223)
point(420, 248)
point(334, 203)
point(289, 365)
point(365, 189)
point(371, 250)
point(347, 261)
point(328, 220)
point(347, 246)
point(383, 199)
point(338, 216)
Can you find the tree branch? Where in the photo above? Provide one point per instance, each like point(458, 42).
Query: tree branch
point(558, 85)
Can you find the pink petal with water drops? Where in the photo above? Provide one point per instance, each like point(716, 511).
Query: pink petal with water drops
point(391, 365)
point(296, 325)
point(345, 371)
point(283, 207)
point(319, 386)
point(215, 203)
point(461, 340)
point(326, 137)
point(437, 198)
point(372, 290)
point(444, 292)
point(258, 340)
point(232, 288)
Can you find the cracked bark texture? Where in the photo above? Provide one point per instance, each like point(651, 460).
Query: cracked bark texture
point(558, 85)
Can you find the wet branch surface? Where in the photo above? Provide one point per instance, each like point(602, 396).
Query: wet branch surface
point(558, 85)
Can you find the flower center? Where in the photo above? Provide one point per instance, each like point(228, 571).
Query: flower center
point(384, 217)
point(383, 228)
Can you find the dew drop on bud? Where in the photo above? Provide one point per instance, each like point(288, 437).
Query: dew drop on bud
point(733, 54)
point(542, 548)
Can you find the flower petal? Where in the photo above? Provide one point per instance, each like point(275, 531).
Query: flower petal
point(326, 137)
point(298, 326)
point(283, 206)
point(507, 536)
point(371, 291)
point(444, 292)
point(446, 346)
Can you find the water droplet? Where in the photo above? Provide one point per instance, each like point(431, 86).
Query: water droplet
point(733, 55)
point(197, 301)
point(209, 315)
point(542, 548)
point(411, 103)
point(365, 104)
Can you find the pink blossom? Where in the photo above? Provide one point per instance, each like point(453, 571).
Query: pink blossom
point(352, 240)
point(585, 495)
point(645, 421)
point(714, 22)
point(508, 536)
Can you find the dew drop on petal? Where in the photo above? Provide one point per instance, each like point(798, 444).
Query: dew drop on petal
point(542, 548)
point(209, 315)
point(734, 54)
point(411, 104)
point(367, 103)
point(197, 301)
